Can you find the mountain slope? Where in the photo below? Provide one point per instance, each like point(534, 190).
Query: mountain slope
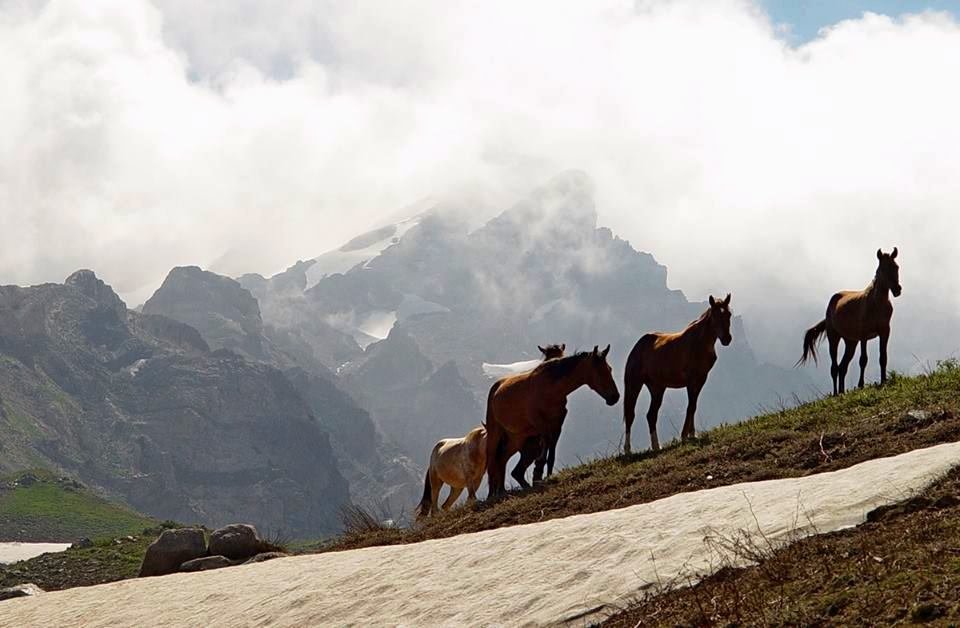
point(138, 406)
point(227, 315)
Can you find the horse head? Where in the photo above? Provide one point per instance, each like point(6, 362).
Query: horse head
point(600, 376)
point(888, 271)
point(720, 316)
point(552, 351)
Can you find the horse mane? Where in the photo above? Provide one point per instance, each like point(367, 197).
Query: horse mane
point(558, 368)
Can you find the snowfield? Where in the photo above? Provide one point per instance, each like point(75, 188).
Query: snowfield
point(349, 255)
point(565, 570)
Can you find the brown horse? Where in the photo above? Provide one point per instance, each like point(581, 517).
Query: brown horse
point(857, 316)
point(539, 449)
point(534, 404)
point(681, 360)
point(459, 462)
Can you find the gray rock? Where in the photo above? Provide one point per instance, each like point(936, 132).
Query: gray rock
point(206, 563)
point(21, 590)
point(236, 541)
point(265, 556)
point(81, 543)
point(172, 549)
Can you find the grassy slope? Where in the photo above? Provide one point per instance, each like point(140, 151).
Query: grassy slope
point(53, 509)
point(820, 436)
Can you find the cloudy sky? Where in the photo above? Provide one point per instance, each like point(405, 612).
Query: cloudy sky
point(761, 147)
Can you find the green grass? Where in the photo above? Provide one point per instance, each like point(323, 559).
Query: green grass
point(56, 509)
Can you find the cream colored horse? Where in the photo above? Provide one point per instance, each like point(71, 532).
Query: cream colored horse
point(459, 462)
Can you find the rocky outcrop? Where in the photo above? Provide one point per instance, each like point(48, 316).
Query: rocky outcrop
point(172, 549)
point(224, 312)
point(235, 541)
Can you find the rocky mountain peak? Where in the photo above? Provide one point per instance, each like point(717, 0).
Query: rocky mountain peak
point(87, 282)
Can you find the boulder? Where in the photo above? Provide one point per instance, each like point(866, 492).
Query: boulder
point(81, 543)
point(172, 549)
point(21, 590)
point(236, 541)
point(264, 556)
point(205, 563)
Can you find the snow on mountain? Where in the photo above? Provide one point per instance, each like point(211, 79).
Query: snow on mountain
point(359, 250)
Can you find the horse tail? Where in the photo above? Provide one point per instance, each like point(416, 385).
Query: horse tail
point(423, 508)
point(810, 340)
point(493, 389)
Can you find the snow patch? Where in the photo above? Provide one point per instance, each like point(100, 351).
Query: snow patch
point(134, 368)
point(14, 552)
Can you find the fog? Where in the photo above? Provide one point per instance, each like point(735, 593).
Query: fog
point(135, 137)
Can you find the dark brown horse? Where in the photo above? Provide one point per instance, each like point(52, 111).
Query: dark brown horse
point(534, 404)
point(681, 360)
point(539, 449)
point(856, 317)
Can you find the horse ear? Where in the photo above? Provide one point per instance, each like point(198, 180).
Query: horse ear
point(727, 300)
point(542, 350)
point(894, 254)
point(712, 301)
point(603, 354)
point(596, 348)
point(563, 347)
point(879, 254)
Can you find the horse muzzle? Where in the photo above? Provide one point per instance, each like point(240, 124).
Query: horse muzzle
point(613, 399)
point(897, 290)
point(725, 341)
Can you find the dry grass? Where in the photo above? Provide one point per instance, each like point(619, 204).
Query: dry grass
point(824, 435)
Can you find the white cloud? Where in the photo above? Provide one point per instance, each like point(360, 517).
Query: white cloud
point(134, 137)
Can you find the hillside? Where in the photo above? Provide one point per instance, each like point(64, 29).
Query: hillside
point(38, 506)
point(823, 435)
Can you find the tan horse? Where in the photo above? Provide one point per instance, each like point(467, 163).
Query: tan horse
point(459, 462)
point(534, 404)
point(680, 360)
point(857, 316)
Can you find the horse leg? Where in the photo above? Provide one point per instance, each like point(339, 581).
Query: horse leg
point(552, 453)
point(631, 392)
point(472, 492)
point(496, 463)
point(656, 398)
point(529, 452)
point(883, 356)
point(452, 497)
point(863, 362)
point(849, 348)
point(693, 393)
point(435, 485)
point(833, 339)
